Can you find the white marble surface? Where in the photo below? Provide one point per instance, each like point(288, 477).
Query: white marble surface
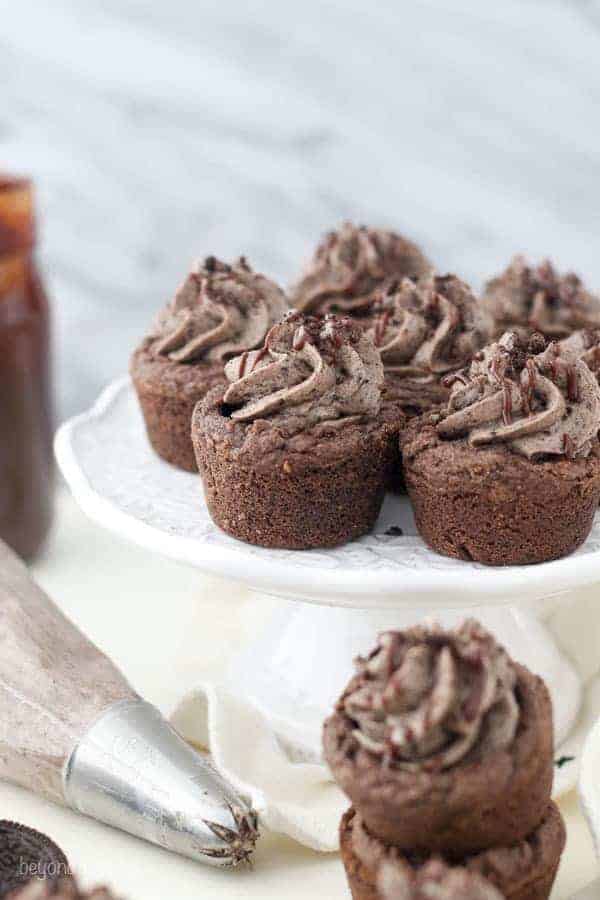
point(159, 132)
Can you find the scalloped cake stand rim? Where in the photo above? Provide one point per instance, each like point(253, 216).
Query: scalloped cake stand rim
point(301, 574)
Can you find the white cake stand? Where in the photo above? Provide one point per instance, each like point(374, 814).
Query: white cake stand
point(296, 669)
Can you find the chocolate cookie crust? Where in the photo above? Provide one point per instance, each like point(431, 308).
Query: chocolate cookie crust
point(319, 488)
point(524, 871)
point(168, 393)
point(26, 854)
point(479, 804)
point(499, 507)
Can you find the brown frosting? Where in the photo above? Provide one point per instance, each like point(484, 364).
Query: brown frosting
point(424, 331)
point(528, 298)
point(538, 404)
point(310, 371)
point(218, 312)
point(66, 889)
point(350, 263)
point(434, 881)
point(428, 698)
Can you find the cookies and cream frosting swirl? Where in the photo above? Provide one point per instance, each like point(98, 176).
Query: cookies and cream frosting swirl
point(538, 404)
point(425, 699)
point(309, 371)
point(583, 345)
point(528, 298)
point(424, 330)
point(219, 311)
point(434, 881)
point(350, 263)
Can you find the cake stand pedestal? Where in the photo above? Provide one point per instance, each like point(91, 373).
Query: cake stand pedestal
point(298, 667)
point(388, 579)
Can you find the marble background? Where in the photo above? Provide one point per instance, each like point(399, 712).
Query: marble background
point(158, 132)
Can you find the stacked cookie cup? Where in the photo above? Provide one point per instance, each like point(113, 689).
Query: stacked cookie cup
point(444, 746)
point(376, 374)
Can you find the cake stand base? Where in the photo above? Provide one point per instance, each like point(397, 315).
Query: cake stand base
point(298, 667)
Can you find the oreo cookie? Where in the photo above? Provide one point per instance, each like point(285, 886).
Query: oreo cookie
point(26, 854)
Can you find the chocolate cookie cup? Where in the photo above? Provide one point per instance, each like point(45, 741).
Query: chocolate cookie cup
point(513, 459)
point(218, 312)
point(523, 871)
point(526, 299)
point(27, 855)
point(442, 743)
point(424, 331)
point(349, 264)
point(293, 453)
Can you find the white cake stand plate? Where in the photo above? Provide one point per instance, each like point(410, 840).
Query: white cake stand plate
point(388, 579)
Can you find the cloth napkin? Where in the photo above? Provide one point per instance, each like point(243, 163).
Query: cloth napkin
point(300, 799)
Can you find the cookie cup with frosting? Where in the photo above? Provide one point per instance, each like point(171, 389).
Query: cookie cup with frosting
point(218, 312)
point(523, 871)
point(349, 264)
point(293, 452)
point(424, 331)
point(443, 743)
point(537, 298)
point(513, 460)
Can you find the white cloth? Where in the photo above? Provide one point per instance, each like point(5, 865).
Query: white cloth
point(294, 798)
point(300, 799)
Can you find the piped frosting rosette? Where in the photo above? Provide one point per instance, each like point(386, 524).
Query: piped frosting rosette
point(350, 263)
point(539, 404)
point(583, 345)
point(219, 311)
point(434, 881)
point(538, 298)
point(425, 699)
point(310, 371)
point(423, 331)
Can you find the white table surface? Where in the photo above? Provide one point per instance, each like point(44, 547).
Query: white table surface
point(161, 623)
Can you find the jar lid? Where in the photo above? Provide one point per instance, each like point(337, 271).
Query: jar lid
point(17, 221)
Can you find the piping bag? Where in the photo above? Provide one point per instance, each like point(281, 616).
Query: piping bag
point(73, 731)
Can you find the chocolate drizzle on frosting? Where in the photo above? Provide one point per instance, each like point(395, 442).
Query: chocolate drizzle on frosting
point(539, 405)
point(219, 311)
point(310, 371)
point(426, 330)
point(433, 881)
point(528, 298)
point(427, 698)
point(350, 263)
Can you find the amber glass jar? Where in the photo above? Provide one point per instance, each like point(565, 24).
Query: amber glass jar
point(26, 471)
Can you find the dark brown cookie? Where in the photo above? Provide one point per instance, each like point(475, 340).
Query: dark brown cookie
point(480, 803)
point(320, 488)
point(500, 508)
point(522, 871)
point(26, 854)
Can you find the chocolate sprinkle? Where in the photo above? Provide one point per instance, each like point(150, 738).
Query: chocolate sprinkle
point(563, 760)
point(27, 854)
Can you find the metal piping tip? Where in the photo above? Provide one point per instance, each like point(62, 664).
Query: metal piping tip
point(133, 771)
